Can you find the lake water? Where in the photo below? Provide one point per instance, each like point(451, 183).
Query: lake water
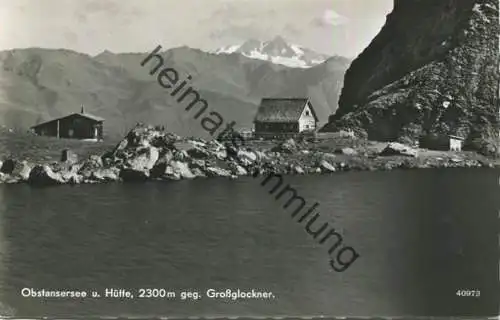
point(421, 235)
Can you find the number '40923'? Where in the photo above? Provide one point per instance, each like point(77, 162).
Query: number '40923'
point(468, 293)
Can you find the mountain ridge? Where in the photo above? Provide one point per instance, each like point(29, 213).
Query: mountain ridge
point(277, 51)
point(38, 84)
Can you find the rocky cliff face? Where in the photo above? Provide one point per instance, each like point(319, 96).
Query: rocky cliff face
point(433, 70)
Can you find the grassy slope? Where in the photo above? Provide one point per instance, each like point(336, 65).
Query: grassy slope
point(46, 149)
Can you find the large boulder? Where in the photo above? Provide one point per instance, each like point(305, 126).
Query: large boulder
point(175, 170)
point(44, 175)
point(22, 170)
point(328, 156)
point(198, 163)
point(199, 173)
point(71, 176)
point(166, 156)
point(221, 154)
point(197, 152)
point(217, 149)
point(214, 145)
point(159, 168)
point(179, 169)
point(288, 146)
point(121, 146)
point(181, 155)
point(326, 166)
point(16, 170)
point(93, 163)
point(67, 171)
point(105, 175)
point(297, 170)
point(346, 151)
point(144, 159)
point(238, 170)
point(171, 174)
point(217, 172)
point(142, 136)
point(246, 157)
point(134, 175)
point(398, 149)
point(8, 166)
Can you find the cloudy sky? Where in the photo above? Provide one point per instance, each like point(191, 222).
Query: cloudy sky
point(342, 27)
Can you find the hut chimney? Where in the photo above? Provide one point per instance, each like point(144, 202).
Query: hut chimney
point(83, 109)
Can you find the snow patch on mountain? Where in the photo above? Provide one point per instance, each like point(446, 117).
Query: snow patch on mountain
point(277, 51)
point(227, 50)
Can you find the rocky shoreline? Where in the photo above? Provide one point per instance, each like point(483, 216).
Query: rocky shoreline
point(148, 153)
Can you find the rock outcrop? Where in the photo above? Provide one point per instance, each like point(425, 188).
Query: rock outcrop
point(44, 175)
point(398, 149)
point(147, 153)
point(433, 70)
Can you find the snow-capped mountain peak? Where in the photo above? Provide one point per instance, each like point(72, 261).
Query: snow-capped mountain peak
point(277, 51)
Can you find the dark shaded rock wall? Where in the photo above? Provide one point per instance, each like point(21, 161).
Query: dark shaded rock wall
point(433, 70)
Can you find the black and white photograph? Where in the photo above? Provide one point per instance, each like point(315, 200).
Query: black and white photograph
point(249, 159)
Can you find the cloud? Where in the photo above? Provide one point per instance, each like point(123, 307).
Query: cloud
point(92, 26)
point(97, 6)
point(236, 33)
point(239, 21)
point(290, 29)
point(330, 18)
point(119, 11)
point(81, 17)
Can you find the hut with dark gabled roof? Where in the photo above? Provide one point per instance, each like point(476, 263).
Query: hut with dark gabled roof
point(285, 117)
point(74, 126)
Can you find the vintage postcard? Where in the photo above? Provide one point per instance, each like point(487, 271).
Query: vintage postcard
point(249, 159)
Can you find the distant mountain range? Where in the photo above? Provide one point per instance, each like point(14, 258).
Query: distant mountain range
point(277, 51)
point(37, 85)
